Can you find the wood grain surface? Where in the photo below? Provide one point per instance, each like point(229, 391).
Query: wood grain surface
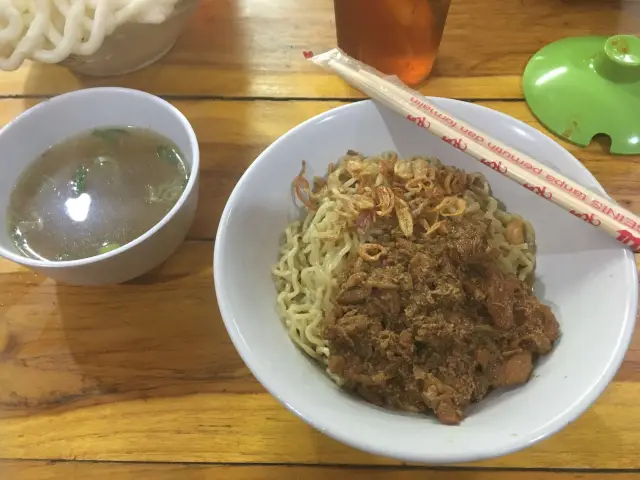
point(141, 380)
point(27, 470)
point(232, 49)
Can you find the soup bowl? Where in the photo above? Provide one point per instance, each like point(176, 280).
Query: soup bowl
point(54, 120)
point(587, 278)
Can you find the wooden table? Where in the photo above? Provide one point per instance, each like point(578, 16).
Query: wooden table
point(141, 381)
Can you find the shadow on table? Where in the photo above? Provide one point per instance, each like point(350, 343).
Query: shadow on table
point(14, 294)
point(211, 47)
point(157, 336)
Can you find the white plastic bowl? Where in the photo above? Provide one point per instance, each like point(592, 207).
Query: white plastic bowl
point(588, 279)
point(30, 134)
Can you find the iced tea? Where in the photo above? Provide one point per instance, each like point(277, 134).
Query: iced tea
point(397, 37)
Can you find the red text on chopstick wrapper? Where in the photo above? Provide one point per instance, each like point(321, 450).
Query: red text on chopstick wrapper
point(587, 217)
point(502, 151)
point(617, 214)
point(471, 134)
point(497, 166)
point(612, 213)
point(420, 121)
point(456, 142)
point(576, 192)
point(514, 159)
point(428, 108)
point(468, 132)
point(541, 191)
point(629, 239)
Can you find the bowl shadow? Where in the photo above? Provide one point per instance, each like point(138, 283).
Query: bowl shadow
point(155, 336)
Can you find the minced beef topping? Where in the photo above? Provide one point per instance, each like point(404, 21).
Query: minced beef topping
point(433, 325)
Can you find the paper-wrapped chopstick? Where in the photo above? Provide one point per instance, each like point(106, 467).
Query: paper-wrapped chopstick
point(595, 209)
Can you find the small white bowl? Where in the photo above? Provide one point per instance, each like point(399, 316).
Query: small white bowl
point(31, 133)
point(587, 277)
point(133, 46)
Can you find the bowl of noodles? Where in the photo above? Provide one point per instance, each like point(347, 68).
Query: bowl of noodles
point(412, 303)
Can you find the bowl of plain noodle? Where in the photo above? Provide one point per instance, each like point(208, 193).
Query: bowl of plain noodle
point(92, 37)
point(410, 302)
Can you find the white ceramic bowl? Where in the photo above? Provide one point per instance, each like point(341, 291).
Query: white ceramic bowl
point(588, 279)
point(133, 46)
point(31, 133)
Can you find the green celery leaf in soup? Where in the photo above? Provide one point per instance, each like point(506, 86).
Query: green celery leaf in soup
point(79, 182)
point(109, 247)
point(168, 154)
point(110, 135)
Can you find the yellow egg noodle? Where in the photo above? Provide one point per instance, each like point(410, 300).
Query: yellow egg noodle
point(316, 248)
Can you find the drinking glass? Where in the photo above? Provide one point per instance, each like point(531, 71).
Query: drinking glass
point(397, 37)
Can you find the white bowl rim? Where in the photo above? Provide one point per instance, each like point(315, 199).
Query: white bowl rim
point(195, 166)
point(307, 414)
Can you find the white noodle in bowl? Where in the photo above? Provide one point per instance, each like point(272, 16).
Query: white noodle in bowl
point(94, 37)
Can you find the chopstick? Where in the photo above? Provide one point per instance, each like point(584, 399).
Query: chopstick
point(587, 205)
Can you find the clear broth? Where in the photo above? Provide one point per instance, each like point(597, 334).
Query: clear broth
point(94, 192)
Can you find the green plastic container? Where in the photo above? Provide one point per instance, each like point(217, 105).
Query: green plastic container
point(583, 86)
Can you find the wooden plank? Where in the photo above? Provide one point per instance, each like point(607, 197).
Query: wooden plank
point(231, 49)
point(233, 133)
point(29, 470)
point(146, 372)
point(232, 428)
